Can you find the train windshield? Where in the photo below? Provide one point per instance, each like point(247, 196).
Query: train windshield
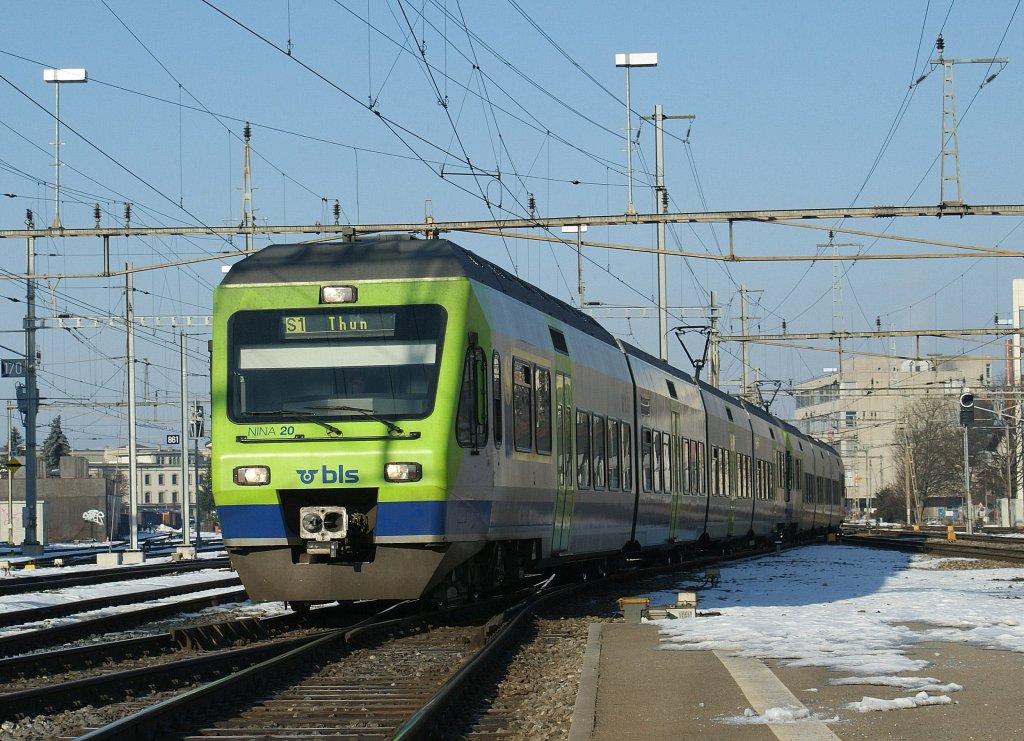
point(339, 363)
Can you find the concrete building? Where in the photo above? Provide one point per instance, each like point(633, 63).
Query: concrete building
point(856, 410)
point(60, 503)
point(89, 480)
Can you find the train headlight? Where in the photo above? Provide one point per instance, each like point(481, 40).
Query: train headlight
point(403, 472)
point(312, 522)
point(338, 294)
point(252, 475)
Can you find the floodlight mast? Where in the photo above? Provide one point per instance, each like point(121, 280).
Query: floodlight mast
point(58, 76)
point(627, 60)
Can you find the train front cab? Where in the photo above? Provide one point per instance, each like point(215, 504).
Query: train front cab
point(328, 489)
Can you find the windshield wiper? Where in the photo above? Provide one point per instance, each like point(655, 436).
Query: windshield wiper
point(392, 427)
point(295, 414)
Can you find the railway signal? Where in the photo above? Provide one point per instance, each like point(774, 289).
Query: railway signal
point(966, 408)
point(196, 422)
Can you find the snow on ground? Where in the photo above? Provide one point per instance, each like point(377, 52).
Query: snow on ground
point(48, 597)
point(853, 611)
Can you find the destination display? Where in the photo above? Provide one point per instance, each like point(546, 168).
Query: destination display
point(338, 324)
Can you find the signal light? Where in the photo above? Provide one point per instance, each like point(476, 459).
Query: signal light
point(966, 409)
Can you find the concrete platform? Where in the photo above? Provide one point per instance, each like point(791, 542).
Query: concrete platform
point(632, 690)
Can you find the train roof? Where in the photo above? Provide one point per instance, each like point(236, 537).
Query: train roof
point(634, 351)
point(757, 411)
point(398, 259)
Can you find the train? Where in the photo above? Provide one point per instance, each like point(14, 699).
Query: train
point(399, 418)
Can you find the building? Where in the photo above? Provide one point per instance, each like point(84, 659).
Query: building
point(61, 502)
point(856, 409)
point(159, 471)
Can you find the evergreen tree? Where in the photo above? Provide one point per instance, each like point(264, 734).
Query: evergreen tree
point(204, 498)
point(55, 446)
point(14, 441)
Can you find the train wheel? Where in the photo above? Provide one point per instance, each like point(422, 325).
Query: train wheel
point(301, 607)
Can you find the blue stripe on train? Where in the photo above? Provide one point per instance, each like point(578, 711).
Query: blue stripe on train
point(393, 518)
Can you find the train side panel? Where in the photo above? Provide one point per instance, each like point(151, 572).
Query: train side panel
point(672, 496)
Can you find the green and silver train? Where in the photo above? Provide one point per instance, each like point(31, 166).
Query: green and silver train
point(397, 418)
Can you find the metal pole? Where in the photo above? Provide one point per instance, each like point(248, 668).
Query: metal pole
point(579, 262)
point(10, 478)
point(133, 463)
point(30, 545)
point(967, 487)
point(56, 157)
point(659, 190)
point(195, 464)
point(713, 359)
point(186, 538)
point(629, 151)
point(743, 323)
point(906, 471)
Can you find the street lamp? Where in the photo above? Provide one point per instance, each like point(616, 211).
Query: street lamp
point(57, 76)
point(635, 59)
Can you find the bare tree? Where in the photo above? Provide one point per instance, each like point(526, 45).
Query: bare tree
point(929, 452)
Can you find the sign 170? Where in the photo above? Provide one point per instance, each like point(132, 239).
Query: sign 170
point(14, 367)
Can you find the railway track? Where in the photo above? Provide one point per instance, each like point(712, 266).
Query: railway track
point(1010, 550)
point(409, 678)
point(385, 678)
point(54, 635)
point(25, 584)
point(117, 670)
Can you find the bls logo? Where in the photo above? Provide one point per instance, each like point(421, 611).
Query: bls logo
point(328, 475)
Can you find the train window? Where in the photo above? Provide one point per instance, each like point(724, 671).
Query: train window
point(646, 458)
point(471, 418)
point(645, 403)
point(695, 470)
point(656, 445)
point(334, 363)
point(683, 469)
point(522, 406)
point(726, 469)
point(788, 477)
point(600, 462)
point(716, 481)
point(671, 389)
point(558, 341)
point(627, 456)
point(702, 467)
point(613, 454)
point(542, 376)
point(496, 388)
point(582, 449)
point(666, 458)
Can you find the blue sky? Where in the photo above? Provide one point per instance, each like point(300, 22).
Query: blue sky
point(798, 105)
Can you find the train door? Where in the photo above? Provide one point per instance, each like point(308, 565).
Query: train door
point(565, 430)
